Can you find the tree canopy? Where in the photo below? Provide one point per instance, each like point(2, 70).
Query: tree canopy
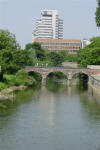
point(8, 40)
point(97, 14)
point(37, 50)
point(12, 58)
point(90, 55)
point(12, 61)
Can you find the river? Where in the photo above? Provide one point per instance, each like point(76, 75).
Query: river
point(53, 118)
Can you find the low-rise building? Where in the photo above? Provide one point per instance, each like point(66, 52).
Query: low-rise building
point(72, 46)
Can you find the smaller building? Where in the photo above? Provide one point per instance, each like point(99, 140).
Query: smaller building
point(85, 42)
point(72, 46)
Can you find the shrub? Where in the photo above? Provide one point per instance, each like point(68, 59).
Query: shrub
point(3, 86)
point(22, 78)
point(36, 76)
point(10, 80)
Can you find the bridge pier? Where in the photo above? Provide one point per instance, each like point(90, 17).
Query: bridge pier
point(44, 79)
point(69, 76)
point(68, 82)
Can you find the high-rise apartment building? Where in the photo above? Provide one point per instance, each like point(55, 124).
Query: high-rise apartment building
point(49, 26)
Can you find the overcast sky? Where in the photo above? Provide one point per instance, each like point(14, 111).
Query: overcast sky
point(18, 16)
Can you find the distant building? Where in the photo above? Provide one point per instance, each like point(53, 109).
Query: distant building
point(72, 46)
point(49, 26)
point(85, 42)
point(49, 33)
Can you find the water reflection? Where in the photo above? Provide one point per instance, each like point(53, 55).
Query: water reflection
point(19, 97)
point(50, 118)
point(55, 86)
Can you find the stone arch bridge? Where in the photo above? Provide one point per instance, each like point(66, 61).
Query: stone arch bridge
point(44, 71)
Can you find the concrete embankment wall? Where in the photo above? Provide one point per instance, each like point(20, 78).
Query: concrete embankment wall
point(94, 82)
point(94, 87)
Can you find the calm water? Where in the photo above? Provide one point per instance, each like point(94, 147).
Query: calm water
point(52, 118)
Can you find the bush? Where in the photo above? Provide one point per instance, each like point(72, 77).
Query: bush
point(22, 78)
point(3, 86)
point(10, 80)
point(37, 76)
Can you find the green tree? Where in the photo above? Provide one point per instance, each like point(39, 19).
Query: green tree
point(37, 76)
point(63, 55)
point(8, 40)
point(12, 58)
point(55, 58)
point(97, 14)
point(91, 54)
point(31, 49)
point(37, 49)
point(40, 52)
point(12, 61)
point(22, 78)
point(71, 58)
point(28, 46)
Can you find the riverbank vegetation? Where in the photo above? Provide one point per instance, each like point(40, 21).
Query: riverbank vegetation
point(13, 59)
point(90, 55)
point(18, 79)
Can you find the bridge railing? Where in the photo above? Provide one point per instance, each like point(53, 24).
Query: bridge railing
point(61, 67)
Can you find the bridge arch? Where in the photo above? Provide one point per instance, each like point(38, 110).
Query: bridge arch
point(83, 78)
point(63, 73)
point(58, 74)
point(58, 71)
point(76, 73)
point(36, 74)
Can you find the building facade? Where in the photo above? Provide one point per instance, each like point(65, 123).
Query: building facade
point(72, 46)
point(85, 43)
point(49, 26)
